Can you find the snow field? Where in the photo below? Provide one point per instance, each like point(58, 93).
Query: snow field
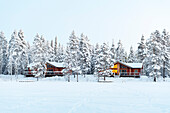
point(85, 97)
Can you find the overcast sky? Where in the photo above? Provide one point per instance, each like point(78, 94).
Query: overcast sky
point(100, 20)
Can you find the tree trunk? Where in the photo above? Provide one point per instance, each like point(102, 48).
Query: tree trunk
point(77, 78)
point(164, 71)
point(154, 79)
point(74, 76)
point(68, 78)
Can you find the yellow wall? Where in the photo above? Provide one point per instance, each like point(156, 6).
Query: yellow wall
point(115, 66)
point(114, 69)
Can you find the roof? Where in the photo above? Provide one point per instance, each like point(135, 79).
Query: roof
point(132, 65)
point(56, 64)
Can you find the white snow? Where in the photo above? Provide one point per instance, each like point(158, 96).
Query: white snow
point(121, 95)
point(57, 64)
point(52, 63)
point(134, 65)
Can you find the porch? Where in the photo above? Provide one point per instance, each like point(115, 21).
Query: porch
point(47, 73)
point(128, 74)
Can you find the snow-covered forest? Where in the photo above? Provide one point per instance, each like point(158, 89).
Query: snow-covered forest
point(80, 56)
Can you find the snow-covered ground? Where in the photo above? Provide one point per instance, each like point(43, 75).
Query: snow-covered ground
point(120, 95)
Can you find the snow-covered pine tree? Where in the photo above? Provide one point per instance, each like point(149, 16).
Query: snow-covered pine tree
point(23, 61)
point(49, 52)
point(58, 55)
point(74, 53)
point(3, 52)
point(61, 54)
point(104, 61)
point(165, 53)
point(55, 46)
point(1, 56)
point(125, 57)
point(17, 59)
point(10, 61)
point(85, 56)
point(141, 50)
point(14, 54)
point(67, 63)
point(153, 61)
point(131, 57)
point(29, 53)
point(112, 53)
point(93, 59)
point(52, 44)
point(45, 56)
point(38, 56)
point(120, 53)
point(96, 58)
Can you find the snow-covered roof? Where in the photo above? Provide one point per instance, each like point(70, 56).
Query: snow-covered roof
point(56, 64)
point(52, 63)
point(132, 65)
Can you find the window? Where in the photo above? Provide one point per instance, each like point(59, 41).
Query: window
point(136, 71)
point(49, 66)
point(50, 69)
point(123, 72)
point(122, 66)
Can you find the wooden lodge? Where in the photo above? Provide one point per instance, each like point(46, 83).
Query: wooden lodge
point(127, 69)
point(53, 69)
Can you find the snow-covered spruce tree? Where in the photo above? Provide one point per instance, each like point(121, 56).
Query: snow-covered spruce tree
point(124, 56)
point(67, 63)
point(23, 61)
point(131, 57)
point(1, 57)
point(74, 53)
point(93, 60)
point(153, 61)
point(3, 53)
point(52, 44)
point(165, 53)
point(55, 46)
point(141, 50)
point(49, 52)
point(96, 58)
point(39, 56)
point(16, 53)
point(112, 53)
point(29, 53)
point(120, 53)
point(60, 54)
point(10, 61)
point(85, 56)
point(104, 61)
